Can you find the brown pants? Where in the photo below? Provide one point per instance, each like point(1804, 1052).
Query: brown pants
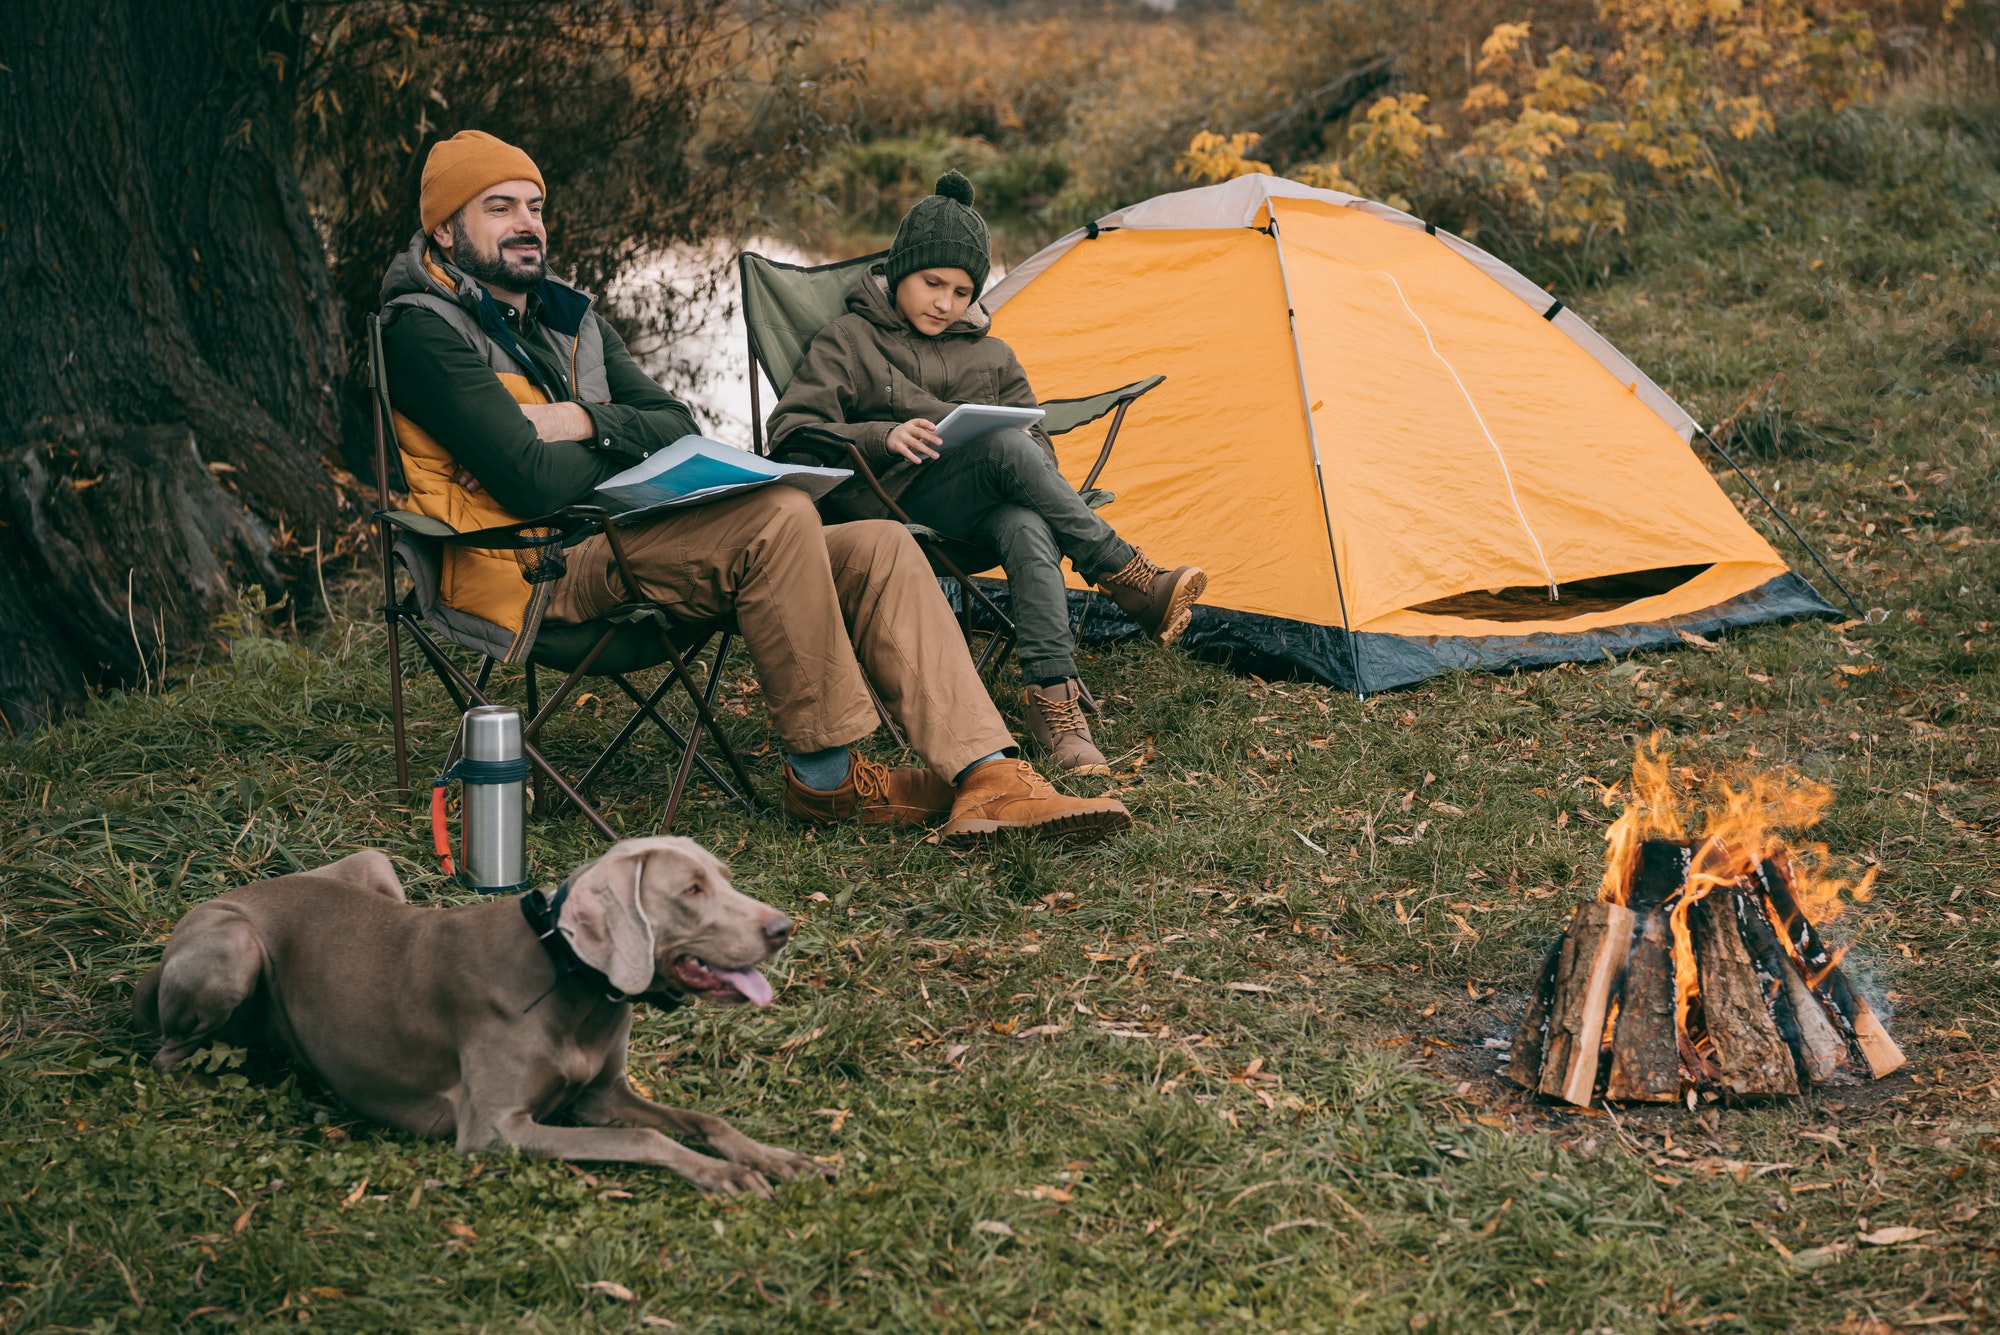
point(808, 598)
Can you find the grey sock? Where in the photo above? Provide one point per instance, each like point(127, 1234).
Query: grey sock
point(997, 755)
point(822, 771)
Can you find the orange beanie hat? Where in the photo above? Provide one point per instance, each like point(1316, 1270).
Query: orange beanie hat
point(460, 167)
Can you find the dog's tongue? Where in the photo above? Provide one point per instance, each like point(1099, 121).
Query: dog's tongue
point(756, 989)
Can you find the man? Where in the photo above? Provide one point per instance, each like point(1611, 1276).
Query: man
point(514, 398)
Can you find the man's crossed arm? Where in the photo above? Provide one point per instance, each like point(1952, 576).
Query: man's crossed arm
point(531, 457)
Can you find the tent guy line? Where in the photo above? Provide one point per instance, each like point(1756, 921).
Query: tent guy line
point(1555, 595)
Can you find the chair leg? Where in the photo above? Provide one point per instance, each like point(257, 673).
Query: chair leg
point(704, 718)
point(395, 623)
point(895, 733)
point(617, 743)
point(541, 806)
point(705, 705)
point(648, 710)
point(465, 695)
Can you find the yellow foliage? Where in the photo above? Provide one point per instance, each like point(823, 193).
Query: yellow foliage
point(1497, 51)
point(1212, 157)
point(1482, 98)
point(1561, 86)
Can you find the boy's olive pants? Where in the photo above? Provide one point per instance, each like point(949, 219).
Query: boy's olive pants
point(1003, 491)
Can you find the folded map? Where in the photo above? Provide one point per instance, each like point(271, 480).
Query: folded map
point(695, 470)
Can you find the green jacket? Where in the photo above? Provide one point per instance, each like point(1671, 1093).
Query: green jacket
point(444, 338)
point(869, 370)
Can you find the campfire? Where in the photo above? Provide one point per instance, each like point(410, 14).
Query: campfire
point(1700, 969)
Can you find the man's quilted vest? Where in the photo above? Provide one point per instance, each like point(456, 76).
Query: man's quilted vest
point(495, 593)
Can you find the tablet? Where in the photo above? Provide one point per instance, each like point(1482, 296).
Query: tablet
point(969, 421)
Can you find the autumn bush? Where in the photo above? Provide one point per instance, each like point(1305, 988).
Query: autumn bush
point(1545, 127)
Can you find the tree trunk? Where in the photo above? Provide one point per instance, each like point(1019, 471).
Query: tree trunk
point(171, 346)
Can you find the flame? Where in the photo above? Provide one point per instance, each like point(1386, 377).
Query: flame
point(1741, 823)
point(1652, 811)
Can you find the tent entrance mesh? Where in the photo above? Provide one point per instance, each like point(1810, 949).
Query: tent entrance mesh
point(1583, 597)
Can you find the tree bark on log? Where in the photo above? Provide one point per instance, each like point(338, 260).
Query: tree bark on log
point(168, 361)
point(1645, 1059)
point(1751, 1060)
point(1593, 955)
point(1524, 1060)
point(1877, 1049)
point(1800, 1016)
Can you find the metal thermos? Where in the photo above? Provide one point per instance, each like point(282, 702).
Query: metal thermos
point(492, 818)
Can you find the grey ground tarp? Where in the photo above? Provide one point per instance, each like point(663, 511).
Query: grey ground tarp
point(1276, 648)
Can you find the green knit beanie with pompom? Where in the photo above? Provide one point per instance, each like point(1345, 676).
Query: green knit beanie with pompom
point(942, 232)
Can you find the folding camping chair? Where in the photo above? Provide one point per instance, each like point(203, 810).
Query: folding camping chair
point(785, 306)
point(631, 638)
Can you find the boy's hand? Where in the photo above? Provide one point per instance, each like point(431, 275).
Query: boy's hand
point(914, 439)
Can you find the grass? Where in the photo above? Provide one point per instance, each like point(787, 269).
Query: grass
point(1055, 1099)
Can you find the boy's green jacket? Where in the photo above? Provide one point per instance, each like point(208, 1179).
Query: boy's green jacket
point(869, 370)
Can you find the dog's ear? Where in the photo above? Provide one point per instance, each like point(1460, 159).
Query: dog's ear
point(607, 925)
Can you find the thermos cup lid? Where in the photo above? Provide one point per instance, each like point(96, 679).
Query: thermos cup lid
point(492, 732)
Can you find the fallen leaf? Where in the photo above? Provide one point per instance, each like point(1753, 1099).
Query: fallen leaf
point(839, 1116)
point(1856, 669)
point(1042, 1031)
point(1812, 1258)
point(1890, 1237)
point(995, 1227)
point(1701, 642)
point(1247, 987)
point(463, 1232)
point(360, 1189)
point(610, 1290)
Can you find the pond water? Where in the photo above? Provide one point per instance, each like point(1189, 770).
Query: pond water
point(708, 363)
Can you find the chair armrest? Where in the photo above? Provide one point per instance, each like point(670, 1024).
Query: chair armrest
point(827, 440)
point(1069, 414)
point(570, 523)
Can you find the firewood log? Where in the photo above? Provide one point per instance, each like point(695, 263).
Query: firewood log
point(1751, 1059)
point(1524, 1060)
point(1593, 958)
point(1871, 1040)
point(1800, 1016)
point(1645, 1060)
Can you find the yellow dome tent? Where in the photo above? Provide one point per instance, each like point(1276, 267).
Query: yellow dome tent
point(1394, 454)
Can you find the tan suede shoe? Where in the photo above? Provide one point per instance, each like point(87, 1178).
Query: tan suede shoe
point(875, 793)
point(1005, 795)
point(1161, 601)
point(1056, 722)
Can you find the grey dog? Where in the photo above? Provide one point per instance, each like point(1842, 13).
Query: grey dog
point(481, 1021)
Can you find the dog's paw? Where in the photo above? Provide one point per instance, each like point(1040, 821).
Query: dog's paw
point(784, 1165)
point(719, 1177)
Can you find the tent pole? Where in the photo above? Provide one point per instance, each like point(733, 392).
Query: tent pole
point(1319, 474)
point(1780, 515)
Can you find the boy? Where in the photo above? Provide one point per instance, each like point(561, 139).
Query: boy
point(912, 346)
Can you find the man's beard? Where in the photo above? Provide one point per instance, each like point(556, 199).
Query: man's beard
point(495, 270)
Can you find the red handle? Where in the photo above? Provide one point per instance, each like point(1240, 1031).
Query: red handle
point(439, 835)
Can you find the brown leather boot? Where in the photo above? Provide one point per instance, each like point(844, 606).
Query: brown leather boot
point(1006, 795)
point(877, 794)
point(1055, 721)
point(1161, 601)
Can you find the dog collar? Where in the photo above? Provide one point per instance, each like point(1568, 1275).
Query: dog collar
point(542, 913)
